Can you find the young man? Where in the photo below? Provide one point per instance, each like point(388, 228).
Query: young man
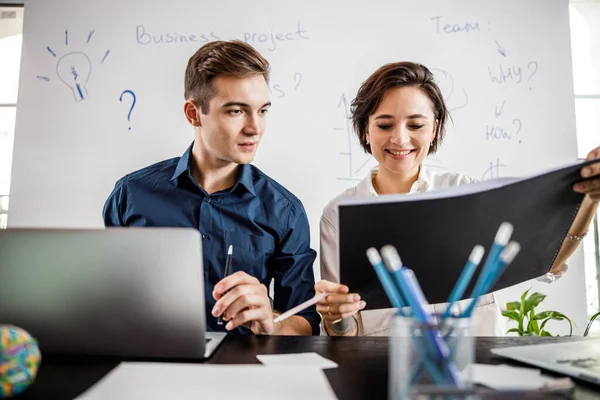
point(213, 188)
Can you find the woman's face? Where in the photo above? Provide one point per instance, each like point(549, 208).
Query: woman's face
point(401, 130)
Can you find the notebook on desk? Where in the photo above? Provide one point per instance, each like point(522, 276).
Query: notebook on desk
point(578, 359)
point(435, 231)
point(130, 292)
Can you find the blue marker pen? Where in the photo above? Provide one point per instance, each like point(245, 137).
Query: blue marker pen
point(502, 237)
point(411, 291)
point(464, 278)
point(385, 279)
point(506, 257)
point(503, 261)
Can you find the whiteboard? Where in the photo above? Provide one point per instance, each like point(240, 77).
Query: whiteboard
point(504, 68)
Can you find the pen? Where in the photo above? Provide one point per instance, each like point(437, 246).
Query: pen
point(406, 281)
point(385, 279)
point(225, 274)
point(300, 307)
point(464, 279)
point(503, 261)
point(502, 237)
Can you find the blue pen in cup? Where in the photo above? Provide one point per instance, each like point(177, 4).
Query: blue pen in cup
point(226, 274)
point(406, 282)
point(386, 281)
point(465, 278)
point(507, 256)
point(500, 241)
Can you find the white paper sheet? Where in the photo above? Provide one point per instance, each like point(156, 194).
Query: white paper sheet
point(149, 381)
point(297, 359)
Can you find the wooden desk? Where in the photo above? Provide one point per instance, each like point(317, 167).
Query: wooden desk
point(362, 371)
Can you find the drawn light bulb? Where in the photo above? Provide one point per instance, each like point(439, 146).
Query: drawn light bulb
point(74, 70)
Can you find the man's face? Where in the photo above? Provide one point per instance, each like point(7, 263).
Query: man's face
point(236, 120)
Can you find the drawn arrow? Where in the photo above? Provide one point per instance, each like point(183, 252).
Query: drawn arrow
point(500, 111)
point(500, 49)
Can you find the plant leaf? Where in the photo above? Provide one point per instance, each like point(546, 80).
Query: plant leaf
point(558, 316)
point(514, 315)
point(533, 322)
point(533, 301)
point(513, 305)
point(524, 295)
point(545, 333)
point(544, 315)
point(516, 330)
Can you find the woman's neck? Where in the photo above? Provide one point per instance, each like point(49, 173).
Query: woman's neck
point(387, 182)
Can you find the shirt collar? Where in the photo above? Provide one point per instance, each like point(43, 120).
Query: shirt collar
point(244, 175)
point(365, 187)
point(184, 164)
point(245, 178)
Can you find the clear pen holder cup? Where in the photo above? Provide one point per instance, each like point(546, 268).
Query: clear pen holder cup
point(429, 361)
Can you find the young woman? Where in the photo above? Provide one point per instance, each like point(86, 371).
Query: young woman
point(399, 116)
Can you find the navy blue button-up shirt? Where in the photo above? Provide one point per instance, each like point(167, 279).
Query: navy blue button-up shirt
point(265, 223)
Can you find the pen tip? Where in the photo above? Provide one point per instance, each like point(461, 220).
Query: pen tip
point(230, 250)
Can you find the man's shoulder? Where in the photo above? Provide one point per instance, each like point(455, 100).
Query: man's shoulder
point(268, 187)
point(157, 172)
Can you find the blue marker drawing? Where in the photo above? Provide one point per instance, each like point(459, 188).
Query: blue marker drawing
point(74, 68)
point(105, 55)
point(132, 103)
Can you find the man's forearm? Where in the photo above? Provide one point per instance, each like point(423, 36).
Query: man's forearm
point(580, 225)
point(293, 326)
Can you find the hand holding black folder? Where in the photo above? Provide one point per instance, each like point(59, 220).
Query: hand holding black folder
point(435, 231)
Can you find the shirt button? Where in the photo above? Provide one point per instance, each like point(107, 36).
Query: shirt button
point(208, 200)
point(203, 236)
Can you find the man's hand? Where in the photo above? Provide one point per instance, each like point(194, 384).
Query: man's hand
point(243, 300)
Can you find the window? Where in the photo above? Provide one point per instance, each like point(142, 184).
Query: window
point(585, 31)
point(11, 36)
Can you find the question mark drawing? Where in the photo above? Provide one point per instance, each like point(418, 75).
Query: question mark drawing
point(517, 122)
point(299, 76)
point(535, 68)
point(132, 103)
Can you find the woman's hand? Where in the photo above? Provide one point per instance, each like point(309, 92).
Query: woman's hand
point(591, 187)
point(339, 304)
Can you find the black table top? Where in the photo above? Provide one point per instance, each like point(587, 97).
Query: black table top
point(362, 371)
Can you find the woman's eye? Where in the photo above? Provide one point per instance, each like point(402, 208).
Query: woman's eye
point(416, 126)
point(385, 127)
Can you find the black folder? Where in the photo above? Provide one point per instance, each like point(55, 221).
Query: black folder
point(435, 232)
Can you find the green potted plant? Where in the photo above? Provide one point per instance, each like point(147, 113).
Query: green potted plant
point(530, 323)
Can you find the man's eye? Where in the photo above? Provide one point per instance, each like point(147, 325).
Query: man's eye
point(235, 112)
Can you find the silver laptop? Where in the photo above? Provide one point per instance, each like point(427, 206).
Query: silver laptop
point(579, 359)
point(130, 292)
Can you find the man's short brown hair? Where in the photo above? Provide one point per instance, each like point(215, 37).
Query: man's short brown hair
point(232, 58)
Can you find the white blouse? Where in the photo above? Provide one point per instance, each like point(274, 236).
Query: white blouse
point(487, 318)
